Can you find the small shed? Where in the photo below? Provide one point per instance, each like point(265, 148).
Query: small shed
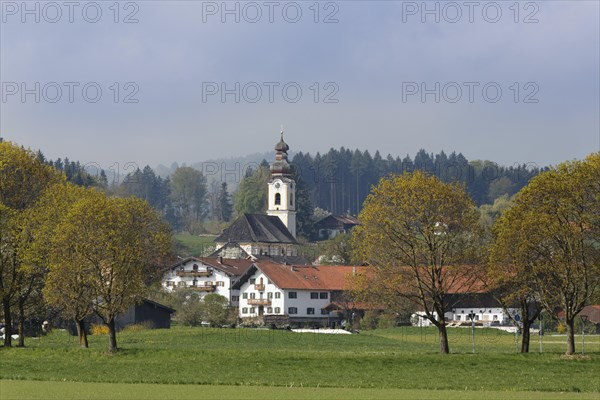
point(148, 312)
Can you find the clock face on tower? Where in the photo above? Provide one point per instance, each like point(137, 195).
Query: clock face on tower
point(277, 185)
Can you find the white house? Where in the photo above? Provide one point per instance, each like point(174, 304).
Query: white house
point(300, 294)
point(486, 309)
point(207, 275)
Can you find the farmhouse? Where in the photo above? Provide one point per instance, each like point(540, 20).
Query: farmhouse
point(207, 275)
point(272, 235)
point(486, 308)
point(332, 225)
point(298, 294)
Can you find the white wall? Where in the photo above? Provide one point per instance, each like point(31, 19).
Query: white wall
point(218, 279)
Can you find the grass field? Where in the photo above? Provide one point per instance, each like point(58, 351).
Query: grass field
point(32, 390)
point(384, 360)
point(194, 245)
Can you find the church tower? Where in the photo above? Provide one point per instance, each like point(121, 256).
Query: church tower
point(282, 188)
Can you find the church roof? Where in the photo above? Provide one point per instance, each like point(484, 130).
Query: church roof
point(257, 228)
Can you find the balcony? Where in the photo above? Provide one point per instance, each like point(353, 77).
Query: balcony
point(260, 287)
point(259, 302)
point(204, 288)
point(194, 273)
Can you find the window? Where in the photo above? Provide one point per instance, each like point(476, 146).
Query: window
point(245, 310)
point(277, 295)
point(458, 317)
point(220, 283)
point(269, 295)
point(244, 295)
point(292, 310)
point(252, 310)
point(291, 199)
point(252, 281)
point(310, 311)
point(195, 267)
point(181, 284)
point(277, 310)
point(323, 295)
point(252, 295)
point(269, 281)
point(314, 295)
point(269, 310)
point(277, 199)
point(194, 282)
point(292, 295)
point(324, 311)
point(235, 298)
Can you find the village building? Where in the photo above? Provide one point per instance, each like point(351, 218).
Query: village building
point(272, 235)
point(207, 275)
point(294, 294)
point(333, 225)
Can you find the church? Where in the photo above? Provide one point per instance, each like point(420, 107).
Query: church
point(273, 236)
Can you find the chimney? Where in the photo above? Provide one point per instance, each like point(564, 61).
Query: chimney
point(292, 268)
point(220, 259)
point(353, 270)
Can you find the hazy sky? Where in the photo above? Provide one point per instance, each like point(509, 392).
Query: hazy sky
point(514, 84)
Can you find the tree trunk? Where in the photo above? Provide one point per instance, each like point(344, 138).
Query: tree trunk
point(570, 336)
point(81, 333)
point(444, 347)
point(112, 336)
point(7, 322)
point(21, 329)
point(526, 335)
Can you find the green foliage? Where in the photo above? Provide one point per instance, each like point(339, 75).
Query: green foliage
point(224, 209)
point(251, 196)
point(189, 197)
point(337, 251)
point(549, 241)
point(419, 234)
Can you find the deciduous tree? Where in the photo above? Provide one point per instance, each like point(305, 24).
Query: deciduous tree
point(120, 244)
point(552, 234)
point(419, 233)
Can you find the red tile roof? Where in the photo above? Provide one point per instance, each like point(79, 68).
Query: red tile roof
point(326, 277)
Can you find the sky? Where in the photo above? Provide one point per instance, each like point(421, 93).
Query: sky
point(117, 84)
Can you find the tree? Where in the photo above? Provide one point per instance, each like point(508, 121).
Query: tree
point(23, 178)
point(188, 193)
point(120, 244)
point(251, 196)
point(68, 285)
point(224, 209)
point(215, 309)
point(418, 233)
point(552, 234)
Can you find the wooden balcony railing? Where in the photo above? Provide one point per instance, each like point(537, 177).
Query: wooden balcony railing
point(259, 286)
point(207, 288)
point(194, 273)
point(259, 302)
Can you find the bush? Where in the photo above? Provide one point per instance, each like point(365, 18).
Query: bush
point(139, 327)
point(99, 329)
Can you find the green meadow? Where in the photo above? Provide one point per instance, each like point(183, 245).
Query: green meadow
point(389, 363)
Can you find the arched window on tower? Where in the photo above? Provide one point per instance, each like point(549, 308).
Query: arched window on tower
point(277, 199)
point(291, 199)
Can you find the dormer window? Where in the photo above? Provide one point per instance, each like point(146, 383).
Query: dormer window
point(277, 198)
point(195, 267)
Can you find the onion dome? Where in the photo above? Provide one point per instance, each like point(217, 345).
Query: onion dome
point(281, 165)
